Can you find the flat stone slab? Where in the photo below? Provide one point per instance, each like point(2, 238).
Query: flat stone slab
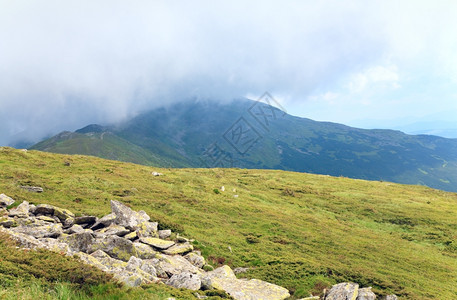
point(157, 243)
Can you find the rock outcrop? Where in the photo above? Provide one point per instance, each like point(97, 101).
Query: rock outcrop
point(128, 245)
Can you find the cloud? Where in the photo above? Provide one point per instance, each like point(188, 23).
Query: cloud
point(64, 64)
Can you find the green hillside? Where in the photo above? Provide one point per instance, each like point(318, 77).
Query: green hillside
point(248, 134)
point(301, 231)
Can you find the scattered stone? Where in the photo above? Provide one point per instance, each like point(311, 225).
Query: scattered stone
point(185, 280)
point(50, 230)
point(223, 188)
point(75, 229)
point(115, 246)
point(343, 291)
point(131, 236)
point(157, 243)
point(22, 211)
point(85, 220)
point(126, 217)
point(366, 294)
point(156, 173)
point(224, 279)
point(144, 251)
point(6, 222)
point(179, 249)
point(63, 214)
point(104, 222)
point(5, 200)
point(195, 259)
point(44, 209)
point(114, 229)
point(46, 219)
point(391, 297)
point(78, 242)
point(164, 234)
point(33, 189)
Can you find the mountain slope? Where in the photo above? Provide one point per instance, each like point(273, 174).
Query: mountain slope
point(298, 230)
point(248, 134)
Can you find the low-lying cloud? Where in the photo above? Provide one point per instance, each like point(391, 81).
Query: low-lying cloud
point(65, 64)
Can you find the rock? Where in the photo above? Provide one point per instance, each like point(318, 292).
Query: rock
point(147, 229)
point(22, 211)
point(131, 236)
point(224, 279)
point(78, 242)
point(181, 239)
point(195, 259)
point(185, 280)
point(114, 229)
point(89, 220)
point(91, 260)
point(127, 217)
point(33, 189)
point(63, 214)
point(144, 251)
point(115, 246)
point(137, 266)
point(179, 249)
point(156, 173)
point(7, 222)
point(104, 222)
point(75, 229)
point(164, 234)
point(50, 230)
point(55, 246)
point(157, 243)
point(24, 240)
point(68, 222)
point(46, 219)
point(343, 291)
point(168, 266)
point(32, 209)
point(5, 200)
point(44, 209)
point(366, 294)
point(390, 297)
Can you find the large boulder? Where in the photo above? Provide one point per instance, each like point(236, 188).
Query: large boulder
point(114, 229)
point(366, 294)
point(115, 246)
point(185, 280)
point(104, 221)
point(5, 200)
point(224, 279)
point(343, 291)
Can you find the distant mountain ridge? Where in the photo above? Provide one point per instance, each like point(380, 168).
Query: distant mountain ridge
point(248, 134)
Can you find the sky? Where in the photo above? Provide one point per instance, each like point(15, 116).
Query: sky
point(370, 64)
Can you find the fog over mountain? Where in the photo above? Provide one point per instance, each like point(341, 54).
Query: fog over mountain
point(67, 64)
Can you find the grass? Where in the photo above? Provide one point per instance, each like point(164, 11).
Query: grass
point(304, 232)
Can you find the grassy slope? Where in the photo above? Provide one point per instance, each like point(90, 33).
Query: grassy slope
point(298, 230)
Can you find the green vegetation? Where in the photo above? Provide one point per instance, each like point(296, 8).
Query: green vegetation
point(301, 231)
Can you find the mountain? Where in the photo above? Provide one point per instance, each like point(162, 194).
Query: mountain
point(302, 231)
point(248, 134)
